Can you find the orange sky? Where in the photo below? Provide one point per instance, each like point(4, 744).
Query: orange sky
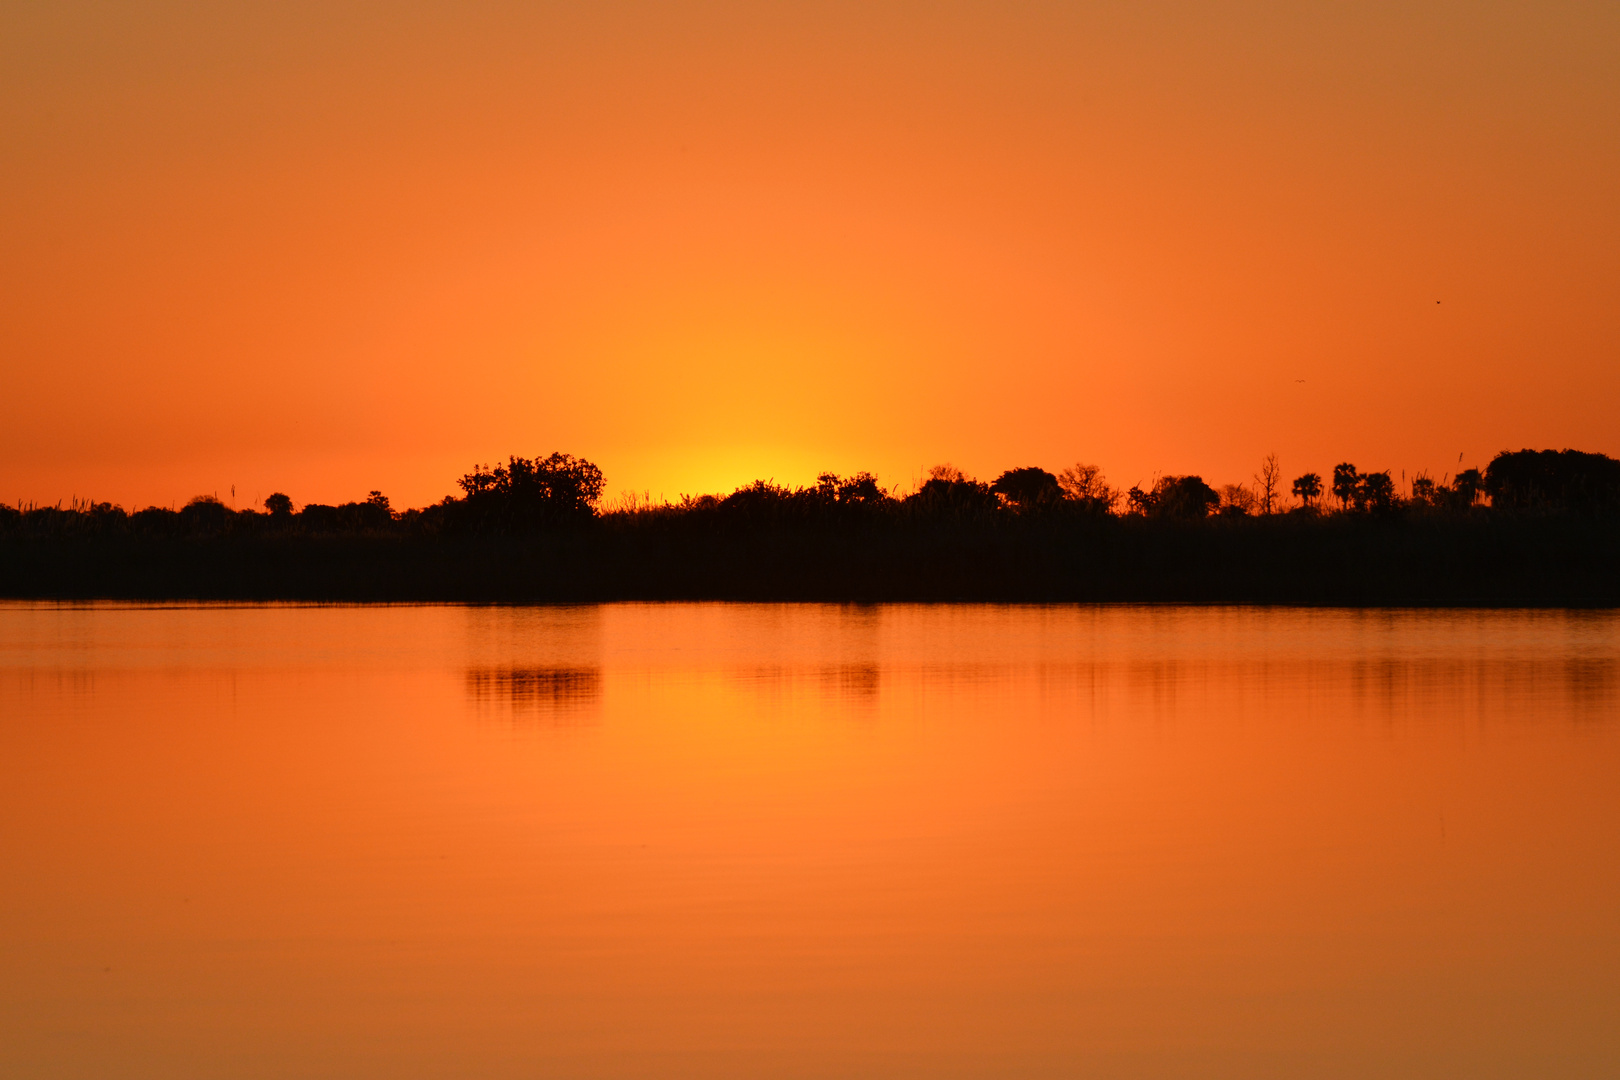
point(325, 247)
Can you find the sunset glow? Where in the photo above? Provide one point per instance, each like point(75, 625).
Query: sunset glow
point(324, 248)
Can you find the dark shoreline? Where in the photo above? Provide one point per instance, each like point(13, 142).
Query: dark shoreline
point(1478, 560)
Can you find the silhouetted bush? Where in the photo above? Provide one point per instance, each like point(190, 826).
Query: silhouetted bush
point(372, 515)
point(952, 499)
point(764, 502)
point(1425, 492)
point(205, 514)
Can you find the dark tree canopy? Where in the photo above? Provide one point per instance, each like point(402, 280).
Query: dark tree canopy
point(526, 495)
point(1028, 487)
point(205, 514)
point(1308, 488)
point(1183, 497)
point(1466, 488)
point(762, 500)
point(526, 492)
point(947, 497)
point(1553, 481)
point(859, 490)
point(1345, 481)
point(1375, 492)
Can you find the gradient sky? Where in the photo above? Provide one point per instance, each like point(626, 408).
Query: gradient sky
point(332, 246)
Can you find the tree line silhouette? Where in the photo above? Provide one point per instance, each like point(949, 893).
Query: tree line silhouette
point(1534, 526)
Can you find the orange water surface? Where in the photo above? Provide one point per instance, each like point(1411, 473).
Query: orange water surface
point(808, 841)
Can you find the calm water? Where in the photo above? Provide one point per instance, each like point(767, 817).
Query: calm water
point(789, 841)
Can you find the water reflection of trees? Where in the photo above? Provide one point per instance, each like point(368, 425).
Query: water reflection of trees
point(1394, 688)
point(558, 694)
point(846, 684)
point(1581, 688)
point(857, 682)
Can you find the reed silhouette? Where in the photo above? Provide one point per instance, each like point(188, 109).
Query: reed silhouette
point(1537, 527)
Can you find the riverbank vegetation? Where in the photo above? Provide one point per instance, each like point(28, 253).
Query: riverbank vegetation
point(1535, 527)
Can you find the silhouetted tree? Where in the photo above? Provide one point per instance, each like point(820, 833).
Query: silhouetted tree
point(1237, 501)
point(279, 505)
point(1308, 489)
point(1345, 479)
point(1466, 489)
point(1028, 488)
point(764, 501)
point(1184, 497)
point(949, 493)
point(527, 492)
point(1268, 481)
point(205, 513)
point(862, 489)
point(1084, 486)
point(1375, 492)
